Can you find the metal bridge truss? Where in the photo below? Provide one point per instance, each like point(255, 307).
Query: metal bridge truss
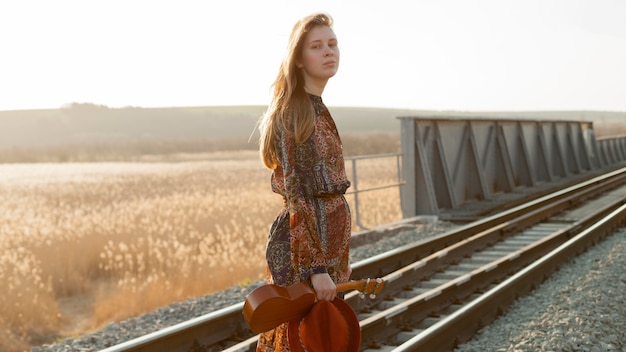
point(447, 162)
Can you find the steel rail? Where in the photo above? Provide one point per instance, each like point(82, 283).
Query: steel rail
point(227, 324)
point(460, 326)
point(456, 288)
point(387, 262)
point(211, 328)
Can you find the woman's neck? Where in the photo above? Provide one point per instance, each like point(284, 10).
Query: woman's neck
point(315, 88)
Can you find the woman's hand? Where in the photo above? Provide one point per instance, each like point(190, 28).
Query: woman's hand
point(325, 288)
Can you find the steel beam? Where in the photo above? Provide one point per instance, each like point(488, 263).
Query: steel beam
point(448, 161)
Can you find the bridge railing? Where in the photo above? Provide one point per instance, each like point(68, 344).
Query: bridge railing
point(611, 149)
point(448, 162)
point(355, 188)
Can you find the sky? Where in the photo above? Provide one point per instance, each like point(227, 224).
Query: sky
point(480, 55)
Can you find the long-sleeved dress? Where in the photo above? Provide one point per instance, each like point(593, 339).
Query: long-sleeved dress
point(311, 234)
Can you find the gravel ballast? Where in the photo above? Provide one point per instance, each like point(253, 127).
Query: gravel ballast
point(580, 309)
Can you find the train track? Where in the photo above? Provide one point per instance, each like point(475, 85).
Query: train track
point(440, 291)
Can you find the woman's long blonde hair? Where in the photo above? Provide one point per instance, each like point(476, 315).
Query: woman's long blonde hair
point(290, 107)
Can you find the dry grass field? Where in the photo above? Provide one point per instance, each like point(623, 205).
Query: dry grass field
point(109, 214)
point(90, 243)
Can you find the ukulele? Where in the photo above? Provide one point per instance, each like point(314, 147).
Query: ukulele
point(270, 305)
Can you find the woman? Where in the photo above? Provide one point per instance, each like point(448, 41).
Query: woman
point(309, 240)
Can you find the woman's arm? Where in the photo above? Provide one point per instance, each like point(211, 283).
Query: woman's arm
point(308, 248)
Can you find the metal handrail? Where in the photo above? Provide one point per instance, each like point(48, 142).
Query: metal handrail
point(355, 184)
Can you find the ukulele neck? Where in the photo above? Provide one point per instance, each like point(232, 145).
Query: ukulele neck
point(361, 285)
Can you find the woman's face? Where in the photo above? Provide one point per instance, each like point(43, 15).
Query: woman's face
point(320, 54)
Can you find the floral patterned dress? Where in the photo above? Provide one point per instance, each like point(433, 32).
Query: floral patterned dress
point(311, 234)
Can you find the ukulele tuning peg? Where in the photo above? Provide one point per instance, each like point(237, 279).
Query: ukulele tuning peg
point(372, 295)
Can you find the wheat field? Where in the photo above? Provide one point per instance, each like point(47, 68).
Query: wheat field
point(121, 239)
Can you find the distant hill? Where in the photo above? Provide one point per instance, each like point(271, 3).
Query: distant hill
point(86, 123)
point(89, 123)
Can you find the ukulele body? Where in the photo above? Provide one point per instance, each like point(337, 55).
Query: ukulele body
point(271, 305)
